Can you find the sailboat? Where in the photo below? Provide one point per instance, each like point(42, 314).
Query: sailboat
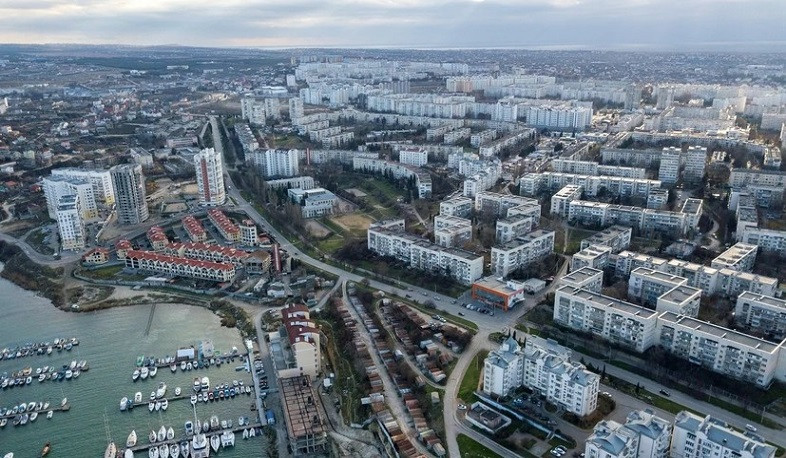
point(131, 441)
point(111, 451)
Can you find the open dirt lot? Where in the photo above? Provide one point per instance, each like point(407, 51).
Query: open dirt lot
point(353, 222)
point(316, 229)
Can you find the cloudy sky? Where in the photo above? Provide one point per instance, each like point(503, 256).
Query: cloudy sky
point(599, 24)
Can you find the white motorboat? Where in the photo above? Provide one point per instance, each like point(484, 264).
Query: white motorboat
point(205, 383)
point(131, 441)
point(215, 442)
point(173, 367)
point(205, 427)
point(152, 437)
point(135, 375)
point(177, 391)
point(182, 365)
point(227, 439)
point(138, 397)
point(223, 424)
point(170, 433)
point(189, 426)
point(151, 406)
point(33, 416)
point(185, 450)
point(111, 450)
point(68, 374)
point(143, 373)
point(9, 455)
point(174, 450)
point(199, 446)
point(153, 371)
point(153, 452)
point(214, 422)
point(197, 384)
point(163, 451)
point(123, 403)
point(252, 432)
point(64, 402)
point(128, 453)
point(164, 404)
point(161, 436)
point(50, 414)
point(72, 366)
point(245, 433)
point(161, 391)
point(189, 366)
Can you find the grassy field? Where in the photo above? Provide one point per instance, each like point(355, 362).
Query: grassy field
point(471, 378)
point(470, 448)
point(36, 239)
point(103, 273)
point(347, 386)
point(354, 223)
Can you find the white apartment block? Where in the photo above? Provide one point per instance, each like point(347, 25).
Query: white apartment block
point(413, 156)
point(481, 138)
point(301, 182)
point(585, 278)
point(70, 224)
point(762, 313)
point(647, 285)
point(512, 227)
point(210, 177)
point(179, 267)
point(130, 193)
point(610, 439)
point(770, 240)
point(630, 157)
point(534, 183)
point(721, 350)
point(507, 257)
point(249, 236)
point(697, 437)
point(615, 237)
point(740, 256)
point(314, 202)
point(692, 208)
point(593, 168)
point(741, 178)
point(248, 141)
point(277, 162)
point(657, 198)
point(653, 432)
point(502, 369)
point(457, 206)
point(387, 238)
point(560, 201)
point(670, 164)
point(548, 370)
point(695, 164)
point(494, 148)
point(452, 231)
point(57, 187)
point(682, 300)
point(101, 180)
point(593, 256)
point(338, 140)
point(455, 136)
point(645, 220)
point(561, 118)
point(499, 204)
point(614, 320)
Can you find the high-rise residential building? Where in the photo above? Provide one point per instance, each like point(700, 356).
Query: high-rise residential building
point(762, 313)
point(56, 187)
point(697, 437)
point(103, 191)
point(295, 109)
point(210, 177)
point(695, 163)
point(130, 194)
point(670, 160)
point(70, 224)
point(280, 163)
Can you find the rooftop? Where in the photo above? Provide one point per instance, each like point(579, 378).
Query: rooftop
point(719, 332)
point(600, 300)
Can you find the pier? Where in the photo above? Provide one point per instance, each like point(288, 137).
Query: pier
point(187, 438)
point(38, 349)
point(41, 413)
point(187, 396)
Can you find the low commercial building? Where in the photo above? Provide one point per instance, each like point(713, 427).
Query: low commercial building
point(720, 349)
point(497, 293)
point(485, 418)
point(615, 237)
point(179, 267)
point(306, 429)
point(507, 257)
point(700, 437)
point(762, 313)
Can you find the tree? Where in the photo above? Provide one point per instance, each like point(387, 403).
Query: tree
point(603, 373)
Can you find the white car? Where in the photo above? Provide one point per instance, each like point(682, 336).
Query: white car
point(462, 407)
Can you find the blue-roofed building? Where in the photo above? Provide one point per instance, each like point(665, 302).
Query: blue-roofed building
point(697, 437)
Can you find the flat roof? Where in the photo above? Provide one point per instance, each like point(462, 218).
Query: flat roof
point(680, 294)
point(608, 302)
point(583, 274)
point(719, 332)
point(657, 275)
point(768, 300)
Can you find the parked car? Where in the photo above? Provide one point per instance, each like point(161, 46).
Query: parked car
point(461, 313)
point(664, 393)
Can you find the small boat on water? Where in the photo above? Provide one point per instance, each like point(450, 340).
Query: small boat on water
point(50, 414)
point(227, 439)
point(177, 391)
point(143, 373)
point(161, 391)
point(123, 403)
point(152, 437)
point(182, 365)
point(135, 375)
point(245, 433)
point(189, 426)
point(140, 360)
point(33, 416)
point(189, 366)
point(158, 406)
point(111, 450)
point(173, 367)
point(223, 424)
point(138, 397)
point(64, 402)
point(205, 383)
point(163, 451)
point(153, 371)
point(205, 427)
point(185, 450)
point(151, 406)
point(197, 384)
point(128, 453)
point(161, 436)
point(164, 404)
point(214, 422)
point(153, 452)
point(174, 450)
point(44, 451)
point(252, 432)
point(131, 441)
point(170, 433)
point(215, 442)
point(193, 399)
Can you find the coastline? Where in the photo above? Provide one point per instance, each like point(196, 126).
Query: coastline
point(22, 271)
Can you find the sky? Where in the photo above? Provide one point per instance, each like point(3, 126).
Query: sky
point(567, 24)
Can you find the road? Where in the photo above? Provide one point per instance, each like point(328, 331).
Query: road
point(38, 258)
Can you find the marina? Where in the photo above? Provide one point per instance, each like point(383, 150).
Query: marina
point(27, 413)
point(155, 403)
point(38, 349)
point(29, 376)
point(187, 359)
point(221, 433)
point(111, 340)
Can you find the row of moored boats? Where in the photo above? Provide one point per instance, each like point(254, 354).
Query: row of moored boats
point(38, 348)
point(25, 413)
point(42, 374)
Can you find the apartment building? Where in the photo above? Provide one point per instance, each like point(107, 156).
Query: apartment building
point(457, 206)
point(770, 240)
point(103, 190)
point(645, 220)
point(692, 208)
point(157, 238)
point(194, 229)
point(653, 432)
point(301, 182)
point(695, 163)
point(314, 202)
point(700, 437)
point(248, 141)
point(512, 227)
point(594, 256)
point(631, 157)
point(452, 231)
point(225, 226)
point(560, 201)
point(210, 177)
point(481, 138)
point(499, 204)
point(413, 156)
point(564, 118)
point(720, 349)
point(130, 194)
point(584, 278)
point(70, 224)
point(534, 183)
point(657, 198)
point(670, 164)
point(615, 237)
point(610, 439)
point(507, 257)
point(740, 256)
point(249, 235)
point(761, 313)
point(55, 187)
point(732, 283)
point(206, 252)
point(381, 166)
point(503, 368)
point(303, 335)
point(647, 285)
point(387, 238)
point(548, 370)
point(179, 267)
point(613, 319)
point(682, 300)
point(593, 168)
